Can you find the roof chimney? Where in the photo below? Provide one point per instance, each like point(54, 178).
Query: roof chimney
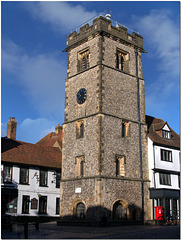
point(58, 128)
point(11, 128)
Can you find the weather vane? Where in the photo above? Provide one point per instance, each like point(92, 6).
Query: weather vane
point(108, 15)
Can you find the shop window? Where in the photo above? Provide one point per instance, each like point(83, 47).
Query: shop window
point(24, 175)
point(43, 178)
point(83, 60)
point(25, 206)
point(122, 60)
point(12, 204)
point(7, 174)
point(43, 204)
point(165, 179)
point(174, 210)
point(166, 155)
point(120, 166)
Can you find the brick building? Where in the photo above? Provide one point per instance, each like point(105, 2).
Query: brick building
point(104, 155)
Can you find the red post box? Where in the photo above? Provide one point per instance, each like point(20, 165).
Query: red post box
point(159, 213)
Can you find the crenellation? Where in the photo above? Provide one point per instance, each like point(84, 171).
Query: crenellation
point(102, 25)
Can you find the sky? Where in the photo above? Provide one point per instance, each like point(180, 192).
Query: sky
point(34, 66)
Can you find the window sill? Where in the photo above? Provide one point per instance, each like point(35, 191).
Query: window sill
point(166, 161)
point(166, 184)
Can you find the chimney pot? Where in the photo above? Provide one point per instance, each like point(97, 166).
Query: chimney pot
point(58, 128)
point(11, 128)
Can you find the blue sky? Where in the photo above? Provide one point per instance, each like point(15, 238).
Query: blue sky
point(33, 66)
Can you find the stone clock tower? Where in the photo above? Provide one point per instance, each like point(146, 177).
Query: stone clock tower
point(104, 162)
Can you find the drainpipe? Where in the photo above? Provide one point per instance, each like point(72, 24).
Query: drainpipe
point(140, 142)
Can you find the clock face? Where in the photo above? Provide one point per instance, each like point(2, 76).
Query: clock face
point(81, 96)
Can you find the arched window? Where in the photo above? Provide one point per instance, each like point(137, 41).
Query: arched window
point(119, 212)
point(80, 211)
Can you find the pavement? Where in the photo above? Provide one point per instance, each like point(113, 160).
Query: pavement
point(52, 231)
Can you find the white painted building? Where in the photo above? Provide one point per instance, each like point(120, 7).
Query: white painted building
point(164, 166)
point(30, 178)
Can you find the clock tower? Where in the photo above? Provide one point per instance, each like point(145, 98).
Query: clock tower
point(104, 157)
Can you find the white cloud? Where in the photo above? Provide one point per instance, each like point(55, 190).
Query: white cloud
point(41, 77)
point(161, 36)
point(32, 130)
point(62, 16)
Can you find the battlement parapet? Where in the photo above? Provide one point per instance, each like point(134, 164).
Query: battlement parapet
point(104, 26)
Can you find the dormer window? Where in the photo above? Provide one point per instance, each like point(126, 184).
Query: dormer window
point(166, 134)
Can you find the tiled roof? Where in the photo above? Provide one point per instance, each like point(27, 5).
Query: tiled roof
point(32, 154)
point(156, 124)
point(51, 138)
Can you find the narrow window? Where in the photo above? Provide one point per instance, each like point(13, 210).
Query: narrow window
point(125, 129)
point(80, 162)
point(57, 205)
point(120, 166)
point(117, 167)
point(25, 206)
point(122, 61)
point(83, 60)
point(7, 174)
point(79, 129)
point(82, 168)
point(43, 204)
point(43, 178)
point(179, 181)
point(24, 175)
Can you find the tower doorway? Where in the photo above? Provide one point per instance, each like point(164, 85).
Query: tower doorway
point(80, 211)
point(119, 211)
